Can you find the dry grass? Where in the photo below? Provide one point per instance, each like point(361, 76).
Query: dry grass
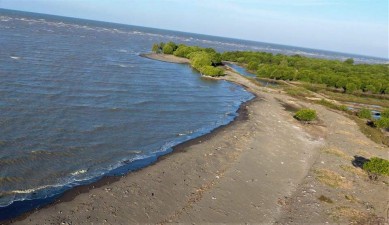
point(365, 154)
point(354, 216)
point(337, 152)
point(353, 170)
point(323, 198)
point(332, 179)
point(351, 198)
point(344, 132)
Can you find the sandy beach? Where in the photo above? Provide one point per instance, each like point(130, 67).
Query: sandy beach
point(262, 168)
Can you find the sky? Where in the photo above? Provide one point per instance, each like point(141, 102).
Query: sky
point(350, 26)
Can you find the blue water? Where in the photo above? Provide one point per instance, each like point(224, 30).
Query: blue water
point(77, 102)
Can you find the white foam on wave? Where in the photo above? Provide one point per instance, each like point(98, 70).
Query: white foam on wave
point(78, 172)
point(15, 57)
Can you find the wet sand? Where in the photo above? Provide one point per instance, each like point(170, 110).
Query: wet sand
point(245, 172)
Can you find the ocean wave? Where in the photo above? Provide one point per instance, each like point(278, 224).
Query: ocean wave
point(78, 172)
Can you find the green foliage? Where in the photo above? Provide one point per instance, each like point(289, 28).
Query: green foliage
point(211, 71)
point(364, 113)
point(349, 61)
point(351, 88)
point(377, 166)
point(156, 48)
point(184, 51)
point(202, 59)
point(382, 123)
point(297, 91)
point(305, 115)
point(252, 66)
point(370, 88)
point(167, 49)
point(385, 113)
point(352, 78)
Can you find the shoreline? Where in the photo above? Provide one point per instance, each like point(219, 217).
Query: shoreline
point(260, 168)
point(72, 193)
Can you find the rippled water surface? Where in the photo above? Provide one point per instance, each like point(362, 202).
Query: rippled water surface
point(77, 100)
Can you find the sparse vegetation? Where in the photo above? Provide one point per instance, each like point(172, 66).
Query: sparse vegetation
point(323, 198)
point(364, 113)
point(332, 105)
point(354, 216)
point(377, 166)
point(382, 123)
point(332, 179)
point(353, 170)
point(297, 91)
point(385, 113)
point(305, 115)
point(337, 152)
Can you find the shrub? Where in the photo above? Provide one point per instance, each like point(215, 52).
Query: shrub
point(167, 49)
point(364, 113)
point(211, 71)
point(377, 165)
point(156, 48)
point(200, 59)
point(351, 88)
point(305, 115)
point(382, 123)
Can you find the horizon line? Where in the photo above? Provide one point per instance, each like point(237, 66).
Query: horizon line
point(211, 35)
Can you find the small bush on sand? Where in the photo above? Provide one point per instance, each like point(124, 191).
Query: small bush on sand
point(305, 115)
point(377, 166)
point(364, 113)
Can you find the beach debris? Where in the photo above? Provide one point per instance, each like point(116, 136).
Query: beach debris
point(282, 163)
point(213, 198)
point(217, 177)
point(108, 189)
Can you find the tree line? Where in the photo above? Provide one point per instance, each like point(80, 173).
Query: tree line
point(345, 75)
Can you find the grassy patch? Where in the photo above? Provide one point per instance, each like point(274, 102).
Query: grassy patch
point(332, 179)
point(323, 198)
point(357, 99)
point(377, 166)
point(353, 170)
point(337, 152)
point(332, 105)
point(382, 123)
point(352, 215)
point(297, 92)
point(364, 113)
point(305, 115)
